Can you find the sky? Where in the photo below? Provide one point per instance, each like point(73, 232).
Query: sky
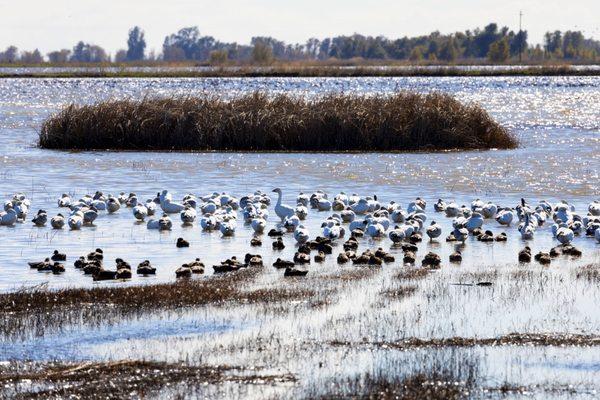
point(51, 25)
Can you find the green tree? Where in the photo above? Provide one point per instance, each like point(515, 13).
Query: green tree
point(59, 56)
point(10, 55)
point(262, 53)
point(416, 54)
point(499, 50)
point(32, 57)
point(449, 50)
point(136, 44)
point(218, 57)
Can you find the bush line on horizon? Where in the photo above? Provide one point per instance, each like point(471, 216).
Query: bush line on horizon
point(403, 121)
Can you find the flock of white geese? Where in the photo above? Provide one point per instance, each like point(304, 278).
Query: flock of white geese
point(350, 215)
point(361, 215)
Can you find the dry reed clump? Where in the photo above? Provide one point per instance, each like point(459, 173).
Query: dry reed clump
point(590, 273)
point(399, 292)
point(512, 339)
point(258, 122)
point(186, 292)
point(117, 380)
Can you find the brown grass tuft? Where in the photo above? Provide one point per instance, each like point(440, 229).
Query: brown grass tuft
point(116, 380)
point(258, 122)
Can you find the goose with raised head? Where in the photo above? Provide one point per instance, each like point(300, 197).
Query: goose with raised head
point(526, 228)
point(40, 218)
point(523, 208)
point(283, 211)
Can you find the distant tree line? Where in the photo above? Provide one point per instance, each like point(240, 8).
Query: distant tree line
point(492, 42)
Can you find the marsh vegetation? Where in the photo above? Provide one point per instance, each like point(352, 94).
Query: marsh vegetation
point(258, 122)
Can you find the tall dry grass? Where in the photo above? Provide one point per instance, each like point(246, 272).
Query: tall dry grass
point(258, 122)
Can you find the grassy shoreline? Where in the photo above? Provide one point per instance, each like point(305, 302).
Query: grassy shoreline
point(310, 71)
point(403, 121)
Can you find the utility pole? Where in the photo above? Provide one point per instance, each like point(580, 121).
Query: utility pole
point(520, 36)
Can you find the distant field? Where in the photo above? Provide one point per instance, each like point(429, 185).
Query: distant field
point(295, 70)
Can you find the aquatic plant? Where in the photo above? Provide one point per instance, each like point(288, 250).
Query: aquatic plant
point(403, 121)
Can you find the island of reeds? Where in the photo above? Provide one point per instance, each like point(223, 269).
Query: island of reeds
point(402, 121)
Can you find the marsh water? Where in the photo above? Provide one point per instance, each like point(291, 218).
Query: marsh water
point(557, 120)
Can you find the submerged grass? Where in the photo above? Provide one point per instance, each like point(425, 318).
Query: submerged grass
point(117, 380)
point(512, 339)
point(259, 122)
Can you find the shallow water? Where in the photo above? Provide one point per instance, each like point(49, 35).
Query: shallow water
point(556, 118)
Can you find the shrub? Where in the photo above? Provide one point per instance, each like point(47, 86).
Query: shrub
point(258, 122)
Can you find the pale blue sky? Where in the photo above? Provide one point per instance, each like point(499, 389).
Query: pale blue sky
point(58, 24)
